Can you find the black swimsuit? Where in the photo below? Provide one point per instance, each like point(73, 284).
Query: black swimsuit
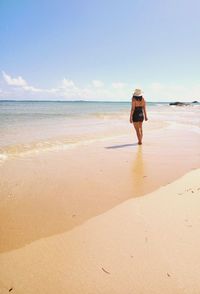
point(138, 112)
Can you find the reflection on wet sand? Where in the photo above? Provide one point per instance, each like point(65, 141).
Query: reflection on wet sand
point(138, 171)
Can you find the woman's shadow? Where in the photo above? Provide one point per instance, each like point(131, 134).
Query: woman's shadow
point(121, 146)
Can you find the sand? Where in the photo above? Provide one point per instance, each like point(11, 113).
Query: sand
point(145, 245)
point(109, 217)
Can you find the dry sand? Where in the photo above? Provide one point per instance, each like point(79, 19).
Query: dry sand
point(145, 245)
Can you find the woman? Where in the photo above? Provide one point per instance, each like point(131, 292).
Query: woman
point(138, 113)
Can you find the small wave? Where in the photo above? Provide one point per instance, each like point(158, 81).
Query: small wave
point(109, 115)
point(3, 157)
point(54, 145)
point(160, 105)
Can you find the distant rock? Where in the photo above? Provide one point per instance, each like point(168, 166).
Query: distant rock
point(195, 102)
point(179, 103)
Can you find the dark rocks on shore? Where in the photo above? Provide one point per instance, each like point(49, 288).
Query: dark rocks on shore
point(183, 103)
point(179, 103)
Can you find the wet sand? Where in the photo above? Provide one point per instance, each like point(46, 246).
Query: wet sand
point(52, 192)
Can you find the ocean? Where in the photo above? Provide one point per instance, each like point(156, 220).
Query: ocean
point(35, 126)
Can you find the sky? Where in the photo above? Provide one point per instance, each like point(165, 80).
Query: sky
point(99, 49)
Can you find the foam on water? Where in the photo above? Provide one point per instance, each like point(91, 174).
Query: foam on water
point(3, 157)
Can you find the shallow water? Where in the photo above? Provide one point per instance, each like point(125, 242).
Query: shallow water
point(35, 126)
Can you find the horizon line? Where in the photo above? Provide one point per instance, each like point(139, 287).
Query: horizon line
point(81, 100)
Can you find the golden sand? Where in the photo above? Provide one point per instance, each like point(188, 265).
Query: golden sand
point(52, 192)
point(148, 244)
point(64, 228)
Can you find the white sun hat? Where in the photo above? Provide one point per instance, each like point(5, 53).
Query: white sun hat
point(137, 92)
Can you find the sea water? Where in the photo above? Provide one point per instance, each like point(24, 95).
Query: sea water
point(35, 126)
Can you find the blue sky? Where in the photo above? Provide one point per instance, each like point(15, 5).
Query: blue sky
point(99, 50)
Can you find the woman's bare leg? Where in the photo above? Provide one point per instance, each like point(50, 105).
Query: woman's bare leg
point(137, 129)
point(141, 131)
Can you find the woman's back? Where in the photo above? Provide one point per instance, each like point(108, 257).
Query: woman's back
point(139, 101)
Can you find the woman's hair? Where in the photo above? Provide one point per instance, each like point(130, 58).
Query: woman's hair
point(138, 98)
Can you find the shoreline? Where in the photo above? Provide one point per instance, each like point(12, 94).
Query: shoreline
point(145, 245)
point(46, 128)
point(15, 151)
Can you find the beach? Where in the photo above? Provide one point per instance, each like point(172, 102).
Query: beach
point(145, 245)
point(93, 212)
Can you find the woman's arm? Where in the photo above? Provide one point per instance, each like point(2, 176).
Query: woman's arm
point(145, 111)
point(132, 110)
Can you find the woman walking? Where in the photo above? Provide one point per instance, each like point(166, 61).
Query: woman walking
point(138, 113)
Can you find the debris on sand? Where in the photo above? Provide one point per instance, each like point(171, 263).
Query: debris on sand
point(105, 271)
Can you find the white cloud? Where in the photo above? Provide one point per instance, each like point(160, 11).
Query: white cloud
point(18, 87)
point(94, 91)
point(97, 83)
point(68, 83)
point(22, 83)
point(118, 85)
point(68, 89)
point(19, 81)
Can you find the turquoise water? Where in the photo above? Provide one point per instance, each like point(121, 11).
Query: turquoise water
point(35, 125)
point(18, 111)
